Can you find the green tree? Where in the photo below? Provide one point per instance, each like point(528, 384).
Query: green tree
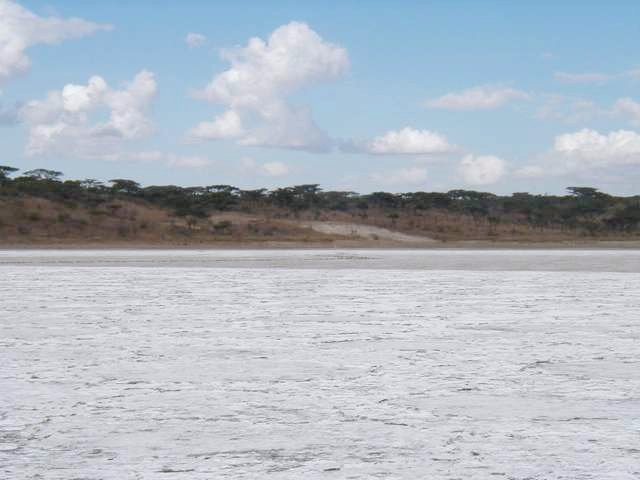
point(44, 174)
point(6, 170)
point(122, 185)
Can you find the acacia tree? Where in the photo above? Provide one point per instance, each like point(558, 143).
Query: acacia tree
point(91, 184)
point(44, 174)
point(5, 171)
point(122, 185)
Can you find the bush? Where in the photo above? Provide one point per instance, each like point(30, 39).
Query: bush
point(222, 226)
point(95, 211)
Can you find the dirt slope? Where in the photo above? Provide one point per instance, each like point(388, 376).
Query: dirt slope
point(365, 231)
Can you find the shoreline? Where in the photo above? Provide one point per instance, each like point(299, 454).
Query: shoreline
point(340, 244)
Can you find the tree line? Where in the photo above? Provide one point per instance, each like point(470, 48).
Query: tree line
point(584, 208)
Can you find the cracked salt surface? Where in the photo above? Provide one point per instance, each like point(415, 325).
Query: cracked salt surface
point(214, 366)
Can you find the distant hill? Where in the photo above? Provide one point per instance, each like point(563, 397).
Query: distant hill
point(38, 207)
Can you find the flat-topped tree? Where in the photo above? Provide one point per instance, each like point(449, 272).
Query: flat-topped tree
point(220, 197)
point(6, 170)
point(586, 192)
point(44, 174)
point(122, 185)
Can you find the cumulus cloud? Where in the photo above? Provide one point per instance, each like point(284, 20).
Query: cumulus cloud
point(402, 176)
point(586, 153)
point(483, 97)
point(195, 40)
point(256, 86)
point(21, 29)
point(226, 125)
point(266, 169)
point(482, 170)
point(408, 141)
point(591, 149)
point(61, 123)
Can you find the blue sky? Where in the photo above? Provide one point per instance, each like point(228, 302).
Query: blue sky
point(400, 96)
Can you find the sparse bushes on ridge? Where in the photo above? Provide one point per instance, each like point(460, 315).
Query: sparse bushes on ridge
point(584, 210)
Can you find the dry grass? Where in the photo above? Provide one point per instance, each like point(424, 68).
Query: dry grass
point(37, 221)
point(40, 221)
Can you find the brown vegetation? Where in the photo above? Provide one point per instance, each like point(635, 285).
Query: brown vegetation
point(38, 207)
point(39, 221)
point(35, 221)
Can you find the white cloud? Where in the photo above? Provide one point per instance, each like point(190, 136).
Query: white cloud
point(409, 141)
point(261, 77)
point(628, 108)
point(402, 176)
point(590, 149)
point(482, 170)
point(76, 98)
point(588, 154)
point(195, 40)
point(267, 169)
point(567, 109)
point(226, 125)
point(483, 97)
point(593, 77)
point(61, 123)
point(21, 29)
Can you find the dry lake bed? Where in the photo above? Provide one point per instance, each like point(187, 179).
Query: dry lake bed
point(320, 364)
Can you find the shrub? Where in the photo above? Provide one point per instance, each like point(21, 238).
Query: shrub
point(222, 226)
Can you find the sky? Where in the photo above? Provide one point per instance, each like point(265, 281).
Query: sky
point(362, 96)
